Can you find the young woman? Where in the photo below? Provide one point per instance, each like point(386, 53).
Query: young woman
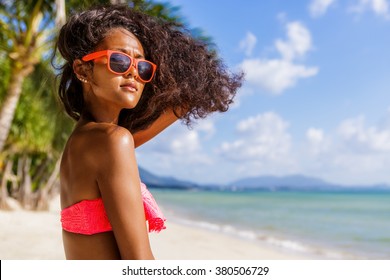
point(126, 77)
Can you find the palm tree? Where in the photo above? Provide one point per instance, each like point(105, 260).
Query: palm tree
point(27, 30)
point(35, 142)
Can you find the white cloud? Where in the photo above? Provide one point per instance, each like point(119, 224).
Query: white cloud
point(262, 137)
point(315, 135)
point(248, 43)
point(206, 126)
point(379, 7)
point(174, 144)
point(183, 153)
point(277, 75)
point(364, 139)
point(319, 7)
point(317, 141)
point(298, 42)
point(184, 144)
point(355, 153)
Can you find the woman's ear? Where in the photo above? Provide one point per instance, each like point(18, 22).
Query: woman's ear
point(81, 71)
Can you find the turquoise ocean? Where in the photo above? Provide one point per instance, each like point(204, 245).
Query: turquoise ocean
point(322, 225)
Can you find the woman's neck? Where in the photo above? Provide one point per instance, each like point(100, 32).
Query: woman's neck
point(88, 116)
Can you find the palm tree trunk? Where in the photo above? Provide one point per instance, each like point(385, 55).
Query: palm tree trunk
point(4, 192)
point(44, 192)
point(26, 198)
point(41, 170)
point(11, 100)
point(60, 14)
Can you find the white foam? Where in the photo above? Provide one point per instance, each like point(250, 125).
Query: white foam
point(288, 244)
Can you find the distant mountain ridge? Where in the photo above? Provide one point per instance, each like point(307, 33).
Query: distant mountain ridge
point(281, 182)
point(266, 183)
point(154, 181)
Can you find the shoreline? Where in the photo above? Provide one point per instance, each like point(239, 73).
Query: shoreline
point(29, 235)
point(184, 242)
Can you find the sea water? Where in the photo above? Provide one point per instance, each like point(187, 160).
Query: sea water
point(325, 225)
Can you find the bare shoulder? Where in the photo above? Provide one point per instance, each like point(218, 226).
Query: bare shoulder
point(101, 143)
point(112, 148)
point(110, 137)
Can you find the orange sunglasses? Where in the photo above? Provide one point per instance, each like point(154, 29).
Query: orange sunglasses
point(119, 63)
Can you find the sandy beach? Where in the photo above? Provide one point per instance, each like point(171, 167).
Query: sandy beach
point(26, 235)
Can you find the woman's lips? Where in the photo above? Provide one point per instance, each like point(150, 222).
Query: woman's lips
point(129, 86)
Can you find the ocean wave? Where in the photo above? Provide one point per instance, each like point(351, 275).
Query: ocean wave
point(285, 244)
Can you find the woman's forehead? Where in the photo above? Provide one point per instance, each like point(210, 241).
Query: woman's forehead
point(123, 40)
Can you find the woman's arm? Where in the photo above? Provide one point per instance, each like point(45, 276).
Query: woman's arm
point(165, 120)
point(119, 184)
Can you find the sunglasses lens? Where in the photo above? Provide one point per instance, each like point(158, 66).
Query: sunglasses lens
point(119, 63)
point(145, 70)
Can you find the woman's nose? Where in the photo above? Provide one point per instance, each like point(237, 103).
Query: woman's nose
point(132, 71)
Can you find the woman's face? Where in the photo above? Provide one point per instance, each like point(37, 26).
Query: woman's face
point(113, 90)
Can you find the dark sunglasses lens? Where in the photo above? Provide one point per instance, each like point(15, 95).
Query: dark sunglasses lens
point(145, 70)
point(119, 63)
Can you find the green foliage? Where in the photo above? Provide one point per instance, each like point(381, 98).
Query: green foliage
point(161, 10)
point(39, 124)
point(72, 6)
point(40, 128)
point(32, 129)
point(4, 74)
point(23, 23)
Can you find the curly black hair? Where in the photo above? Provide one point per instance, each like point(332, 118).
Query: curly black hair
point(189, 77)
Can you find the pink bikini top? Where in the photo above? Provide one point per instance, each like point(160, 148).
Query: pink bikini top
point(89, 216)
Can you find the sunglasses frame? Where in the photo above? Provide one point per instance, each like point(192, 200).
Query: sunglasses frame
point(133, 62)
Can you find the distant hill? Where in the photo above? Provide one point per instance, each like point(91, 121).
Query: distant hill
point(299, 183)
point(291, 182)
point(260, 183)
point(154, 181)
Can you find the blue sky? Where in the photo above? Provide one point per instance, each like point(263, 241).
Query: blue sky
point(316, 100)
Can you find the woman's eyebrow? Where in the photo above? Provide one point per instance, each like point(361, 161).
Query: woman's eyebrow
point(136, 53)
